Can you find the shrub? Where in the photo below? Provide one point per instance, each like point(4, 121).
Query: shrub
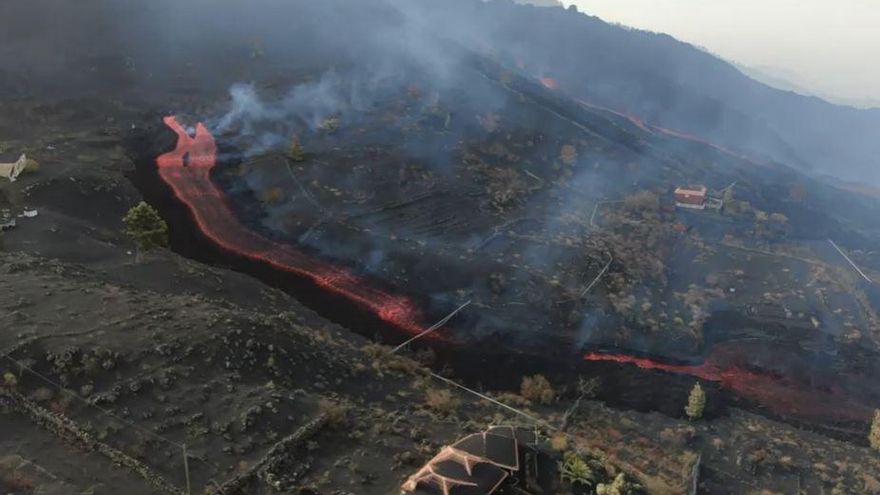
point(384, 359)
point(490, 121)
point(329, 125)
point(377, 352)
point(589, 388)
point(568, 154)
point(272, 196)
point(761, 216)
point(537, 389)
point(12, 481)
point(620, 486)
point(642, 201)
point(778, 218)
point(874, 435)
point(574, 470)
point(336, 412)
point(677, 437)
point(442, 401)
point(10, 380)
point(296, 153)
point(559, 442)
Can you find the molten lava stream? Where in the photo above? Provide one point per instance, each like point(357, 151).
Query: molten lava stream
point(779, 394)
point(187, 170)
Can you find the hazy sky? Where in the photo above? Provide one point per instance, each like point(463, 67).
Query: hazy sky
point(831, 47)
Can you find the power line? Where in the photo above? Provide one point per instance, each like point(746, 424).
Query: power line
point(847, 258)
point(496, 402)
point(433, 327)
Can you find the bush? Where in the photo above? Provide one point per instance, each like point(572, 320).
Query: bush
point(296, 153)
point(620, 486)
point(337, 413)
point(442, 401)
point(761, 216)
point(272, 196)
point(559, 442)
point(568, 154)
point(537, 389)
point(778, 218)
point(589, 388)
point(574, 470)
point(10, 380)
point(145, 227)
point(329, 125)
point(642, 201)
point(384, 359)
point(874, 435)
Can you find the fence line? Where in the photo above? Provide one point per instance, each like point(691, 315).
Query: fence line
point(70, 393)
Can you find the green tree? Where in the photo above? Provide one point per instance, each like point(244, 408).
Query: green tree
point(696, 402)
point(146, 228)
point(9, 379)
point(874, 436)
point(296, 153)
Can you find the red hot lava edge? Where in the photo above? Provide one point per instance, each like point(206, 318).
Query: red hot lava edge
point(187, 170)
point(553, 85)
point(780, 394)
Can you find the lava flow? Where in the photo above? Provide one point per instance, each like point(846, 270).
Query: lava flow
point(651, 128)
point(780, 394)
point(549, 82)
point(187, 170)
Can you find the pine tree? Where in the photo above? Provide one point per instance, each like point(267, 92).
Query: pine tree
point(696, 402)
point(146, 228)
point(296, 152)
point(874, 436)
point(10, 380)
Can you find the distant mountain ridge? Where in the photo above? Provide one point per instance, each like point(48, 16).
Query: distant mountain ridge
point(781, 79)
point(670, 83)
point(541, 3)
point(661, 80)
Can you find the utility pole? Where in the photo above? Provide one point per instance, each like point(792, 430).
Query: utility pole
point(186, 470)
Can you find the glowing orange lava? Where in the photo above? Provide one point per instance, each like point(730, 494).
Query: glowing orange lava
point(777, 393)
point(650, 128)
point(187, 171)
point(690, 137)
point(549, 83)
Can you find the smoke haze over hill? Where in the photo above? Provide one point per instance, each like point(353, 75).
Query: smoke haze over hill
point(652, 76)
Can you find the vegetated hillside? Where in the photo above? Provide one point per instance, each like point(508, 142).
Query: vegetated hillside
point(672, 84)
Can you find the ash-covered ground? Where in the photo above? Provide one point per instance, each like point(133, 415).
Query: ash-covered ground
point(435, 172)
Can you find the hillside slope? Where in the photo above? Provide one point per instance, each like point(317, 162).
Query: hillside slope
point(669, 83)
